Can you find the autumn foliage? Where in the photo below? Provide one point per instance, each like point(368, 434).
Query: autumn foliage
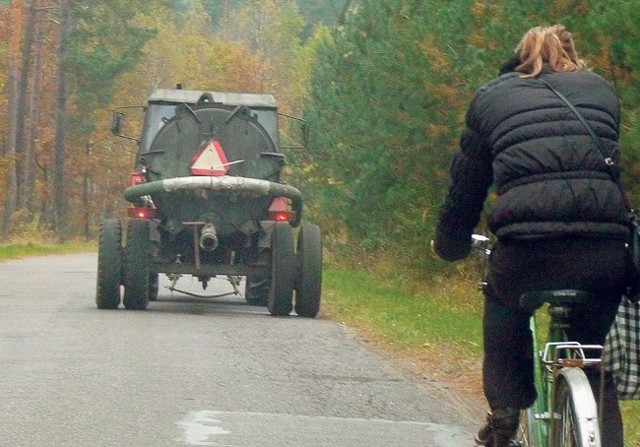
point(67, 65)
point(383, 84)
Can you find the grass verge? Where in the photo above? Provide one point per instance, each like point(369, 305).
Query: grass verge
point(22, 250)
point(437, 326)
point(438, 333)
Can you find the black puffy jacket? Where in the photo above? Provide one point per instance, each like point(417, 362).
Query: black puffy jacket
point(551, 179)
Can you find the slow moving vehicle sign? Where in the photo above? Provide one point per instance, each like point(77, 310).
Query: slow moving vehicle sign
point(210, 160)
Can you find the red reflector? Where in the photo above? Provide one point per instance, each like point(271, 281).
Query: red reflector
point(141, 213)
point(282, 216)
point(137, 178)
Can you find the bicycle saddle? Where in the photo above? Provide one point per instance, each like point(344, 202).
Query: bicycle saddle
point(533, 300)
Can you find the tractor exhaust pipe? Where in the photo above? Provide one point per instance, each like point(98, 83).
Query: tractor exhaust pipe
point(208, 238)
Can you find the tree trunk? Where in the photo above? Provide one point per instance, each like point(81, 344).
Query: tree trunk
point(59, 201)
point(24, 164)
point(9, 149)
point(31, 132)
point(343, 14)
point(86, 192)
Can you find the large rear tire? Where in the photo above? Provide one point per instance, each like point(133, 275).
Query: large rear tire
point(154, 286)
point(575, 413)
point(256, 290)
point(109, 265)
point(136, 265)
point(309, 283)
point(283, 262)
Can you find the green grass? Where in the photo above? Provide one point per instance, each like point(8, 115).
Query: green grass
point(21, 250)
point(631, 418)
point(408, 320)
point(423, 320)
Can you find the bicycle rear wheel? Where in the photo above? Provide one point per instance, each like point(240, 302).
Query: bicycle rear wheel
point(575, 415)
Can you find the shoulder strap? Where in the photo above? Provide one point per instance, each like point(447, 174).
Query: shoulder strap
point(596, 138)
point(608, 160)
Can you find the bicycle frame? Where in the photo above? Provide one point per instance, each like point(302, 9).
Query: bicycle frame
point(542, 403)
point(560, 357)
point(544, 376)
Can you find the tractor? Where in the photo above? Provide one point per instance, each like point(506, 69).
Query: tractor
point(207, 199)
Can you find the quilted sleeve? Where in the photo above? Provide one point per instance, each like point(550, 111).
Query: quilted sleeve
point(471, 177)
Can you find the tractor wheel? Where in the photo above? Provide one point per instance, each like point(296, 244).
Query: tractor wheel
point(256, 290)
point(109, 265)
point(154, 286)
point(136, 265)
point(280, 300)
point(309, 281)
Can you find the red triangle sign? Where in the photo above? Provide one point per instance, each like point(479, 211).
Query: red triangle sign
point(210, 160)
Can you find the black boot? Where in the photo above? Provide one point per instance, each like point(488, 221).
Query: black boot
point(485, 436)
point(501, 427)
point(504, 425)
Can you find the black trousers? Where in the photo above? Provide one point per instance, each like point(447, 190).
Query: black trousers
point(516, 267)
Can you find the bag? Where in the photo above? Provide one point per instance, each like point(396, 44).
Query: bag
point(634, 243)
point(633, 288)
point(622, 350)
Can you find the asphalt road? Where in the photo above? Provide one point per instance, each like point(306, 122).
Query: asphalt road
point(191, 371)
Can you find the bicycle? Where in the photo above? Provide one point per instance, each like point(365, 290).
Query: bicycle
point(565, 413)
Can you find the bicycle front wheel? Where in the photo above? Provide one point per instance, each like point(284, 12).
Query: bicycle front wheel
point(575, 415)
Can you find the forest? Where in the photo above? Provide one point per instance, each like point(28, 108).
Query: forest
point(383, 86)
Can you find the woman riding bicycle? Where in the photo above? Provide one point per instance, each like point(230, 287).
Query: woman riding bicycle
point(560, 219)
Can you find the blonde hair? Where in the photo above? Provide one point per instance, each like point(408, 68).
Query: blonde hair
point(551, 45)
